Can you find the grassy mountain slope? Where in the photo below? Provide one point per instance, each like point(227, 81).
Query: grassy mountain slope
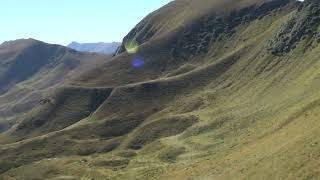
point(29, 68)
point(211, 100)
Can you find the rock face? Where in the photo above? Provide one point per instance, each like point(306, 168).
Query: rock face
point(105, 48)
point(304, 24)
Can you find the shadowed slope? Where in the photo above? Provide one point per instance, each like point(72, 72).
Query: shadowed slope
point(29, 68)
point(65, 108)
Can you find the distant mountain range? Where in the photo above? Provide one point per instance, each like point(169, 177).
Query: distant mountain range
point(105, 48)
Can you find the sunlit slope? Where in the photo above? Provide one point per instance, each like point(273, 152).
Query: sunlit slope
point(181, 13)
point(207, 23)
point(225, 108)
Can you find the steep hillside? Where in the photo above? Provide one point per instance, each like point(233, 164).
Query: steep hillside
point(105, 48)
point(29, 68)
point(229, 90)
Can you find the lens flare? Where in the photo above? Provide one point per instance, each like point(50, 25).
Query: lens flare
point(131, 46)
point(137, 62)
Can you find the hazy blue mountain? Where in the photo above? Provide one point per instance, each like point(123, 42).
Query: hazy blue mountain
point(106, 48)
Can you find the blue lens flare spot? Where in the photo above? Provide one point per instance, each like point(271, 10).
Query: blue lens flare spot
point(137, 62)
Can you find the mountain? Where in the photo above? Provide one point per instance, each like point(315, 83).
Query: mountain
point(199, 89)
point(30, 68)
point(105, 48)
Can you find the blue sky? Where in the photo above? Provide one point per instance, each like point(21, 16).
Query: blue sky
point(63, 21)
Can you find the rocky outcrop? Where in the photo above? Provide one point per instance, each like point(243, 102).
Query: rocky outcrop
point(302, 25)
point(196, 38)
